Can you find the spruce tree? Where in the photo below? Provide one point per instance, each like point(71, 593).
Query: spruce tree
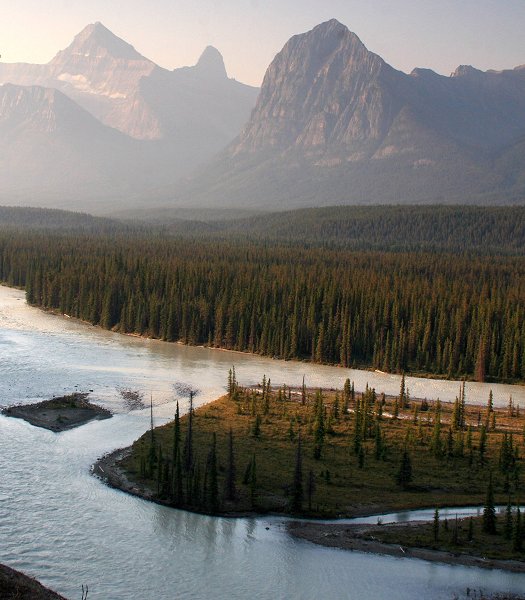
point(435, 525)
point(507, 527)
point(489, 510)
point(517, 538)
point(188, 446)
point(213, 486)
point(404, 473)
point(311, 488)
point(297, 488)
point(231, 491)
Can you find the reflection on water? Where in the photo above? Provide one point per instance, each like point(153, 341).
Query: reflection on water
point(62, 525)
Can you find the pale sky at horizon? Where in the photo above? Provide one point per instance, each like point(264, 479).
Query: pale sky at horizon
point(407, 33)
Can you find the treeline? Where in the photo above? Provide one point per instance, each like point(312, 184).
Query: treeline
point(436, 313)
point(22, 217)
point(458, 229)
point(483, 230)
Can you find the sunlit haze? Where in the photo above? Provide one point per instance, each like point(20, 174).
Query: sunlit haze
point(407, 33)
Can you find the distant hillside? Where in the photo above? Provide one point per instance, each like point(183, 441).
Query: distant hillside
point(401, 228)
point(54, 219)
point(455, 229)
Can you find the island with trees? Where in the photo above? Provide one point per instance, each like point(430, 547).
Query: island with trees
point(329, 454)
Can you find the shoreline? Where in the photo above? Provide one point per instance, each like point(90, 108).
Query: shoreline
point(348, 537)
point(363, 367)
point(342, 536)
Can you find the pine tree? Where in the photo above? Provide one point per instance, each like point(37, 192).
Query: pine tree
point(507, 527)
point(402, 392)
point(404, 473)
point(256, 427)
point(378, 454)
point(188, 446)
point(319, 427)
point(176, 436)
point(470, 534)
point(152, 458)
point(213, 487)
point(311, 488)
point(231, 491)
point(253, 480)
point(517, 538)
point(482, 444)
point(297, 493)
point(435, 526)
point(361, 458)
point(489, 510)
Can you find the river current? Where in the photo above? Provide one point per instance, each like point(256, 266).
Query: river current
point(63, 526)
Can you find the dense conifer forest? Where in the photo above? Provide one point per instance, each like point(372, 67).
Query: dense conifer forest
point(453, 312)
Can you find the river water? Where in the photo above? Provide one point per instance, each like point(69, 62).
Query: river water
point(63, 526)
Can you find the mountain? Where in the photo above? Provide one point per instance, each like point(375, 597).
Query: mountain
point(335, 124)
point(52, 148)
point(181, 117)
point(110, 79)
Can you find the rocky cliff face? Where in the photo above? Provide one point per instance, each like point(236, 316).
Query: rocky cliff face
point(325, 92)
point(323, 88)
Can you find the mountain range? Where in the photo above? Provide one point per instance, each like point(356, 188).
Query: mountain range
point(104, 116)
point(333, 123)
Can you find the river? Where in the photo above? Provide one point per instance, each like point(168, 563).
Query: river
point(63, 526)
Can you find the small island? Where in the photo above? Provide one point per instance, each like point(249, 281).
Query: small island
point(339, 453)
point(59, 414)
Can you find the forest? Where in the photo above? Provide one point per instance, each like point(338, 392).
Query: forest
point(449, 313)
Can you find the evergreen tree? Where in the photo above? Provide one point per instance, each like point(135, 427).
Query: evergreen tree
point(517, 538)
point(231, 491)
point(404, 473)
point(297, 488)
point(188, 446)
point(319, 427)
point(435, 526)
point(489, 510)
point(507, 527)
point(256, 427)
point(470, 533)
point(176, 436)
point(213, 487)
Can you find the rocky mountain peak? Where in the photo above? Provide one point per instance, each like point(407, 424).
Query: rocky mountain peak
point(320, 89)
point(211, 63)
point(466, 71)
point(96, 41)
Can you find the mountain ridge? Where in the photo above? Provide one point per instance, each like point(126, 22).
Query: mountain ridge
point(335, 124)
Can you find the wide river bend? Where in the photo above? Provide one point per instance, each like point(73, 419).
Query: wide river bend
point(63, 526)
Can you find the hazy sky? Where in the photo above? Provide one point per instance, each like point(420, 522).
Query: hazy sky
point(439, 34)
